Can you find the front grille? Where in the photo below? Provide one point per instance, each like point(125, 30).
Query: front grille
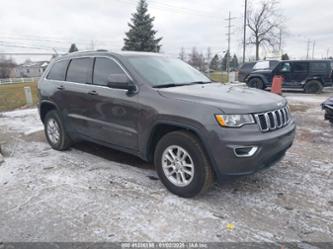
point(270, 121)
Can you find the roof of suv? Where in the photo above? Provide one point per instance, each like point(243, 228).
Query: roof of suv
point(105, 52)
point(306, 61)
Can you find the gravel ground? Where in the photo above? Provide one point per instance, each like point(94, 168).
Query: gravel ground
point(91, 193)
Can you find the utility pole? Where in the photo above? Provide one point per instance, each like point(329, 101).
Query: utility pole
point(313, 49)
point(209, 56)
point(244, 39)
point(280, 42)
point(308, 49)
point(229, 19)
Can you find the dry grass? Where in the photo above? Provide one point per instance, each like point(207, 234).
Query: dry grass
point(298, 108)
point(12, 95)
point(219, 76)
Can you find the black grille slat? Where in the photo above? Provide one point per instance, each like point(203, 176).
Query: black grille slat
point(273, 120)
point(278, 119)
point(262, 121)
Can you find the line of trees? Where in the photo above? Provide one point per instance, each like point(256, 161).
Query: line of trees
point(204, 62)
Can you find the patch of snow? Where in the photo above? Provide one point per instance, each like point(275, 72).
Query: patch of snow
point(306, 99)
point(25, 121)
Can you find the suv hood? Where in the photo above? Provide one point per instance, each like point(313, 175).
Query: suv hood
point(229, 99)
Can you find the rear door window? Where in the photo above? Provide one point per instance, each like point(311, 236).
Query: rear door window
point(300, 67)
point(58, 71)
point(104, 67)
point(80, 70)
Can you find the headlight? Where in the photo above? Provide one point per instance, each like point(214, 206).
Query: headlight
point(234, 121)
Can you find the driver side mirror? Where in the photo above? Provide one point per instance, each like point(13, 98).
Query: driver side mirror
point(121, 81)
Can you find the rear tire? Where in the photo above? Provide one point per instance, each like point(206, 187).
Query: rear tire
point(256, 83)
point(182, 164)
point(55, 132)
point(313, 86)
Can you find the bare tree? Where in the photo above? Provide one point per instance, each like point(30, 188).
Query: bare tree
point(197, 60)
point(6, 67)
point(182, 54)
point(264, 24)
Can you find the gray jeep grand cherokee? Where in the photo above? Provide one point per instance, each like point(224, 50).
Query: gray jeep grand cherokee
point(163, 110)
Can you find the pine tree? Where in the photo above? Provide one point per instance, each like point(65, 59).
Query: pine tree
point(234, 62)
point(215, 63)
point(141, 36)
point(73, 48)
point(224, 61)
point(285, 57)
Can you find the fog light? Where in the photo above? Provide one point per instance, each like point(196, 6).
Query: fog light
point(245, 151)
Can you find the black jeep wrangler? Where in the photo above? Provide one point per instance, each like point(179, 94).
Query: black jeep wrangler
point(310, 75)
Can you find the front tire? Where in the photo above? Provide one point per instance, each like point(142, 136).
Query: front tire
point(256, 83)
point(55, 132)
point(182, 164)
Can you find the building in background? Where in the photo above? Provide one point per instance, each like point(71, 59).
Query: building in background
point(29, 69)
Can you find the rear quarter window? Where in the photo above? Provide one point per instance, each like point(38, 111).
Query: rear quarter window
point(58, 71)
point(319, 66)
point(261, 65)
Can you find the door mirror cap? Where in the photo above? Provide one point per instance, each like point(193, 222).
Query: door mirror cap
point(121, 81)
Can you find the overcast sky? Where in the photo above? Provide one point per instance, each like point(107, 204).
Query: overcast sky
point(40, 25)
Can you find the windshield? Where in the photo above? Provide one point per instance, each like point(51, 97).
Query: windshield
point(159, 71)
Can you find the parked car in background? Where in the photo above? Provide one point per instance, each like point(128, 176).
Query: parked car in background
point(245, 70)
point(164, 111)
point(310, 75)
point(328, 107)
point(249, 67)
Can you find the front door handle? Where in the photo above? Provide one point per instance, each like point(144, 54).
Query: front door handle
point(93, 93)
point(61, 87)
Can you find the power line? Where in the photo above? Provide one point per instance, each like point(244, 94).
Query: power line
point(313, 49)
point(308, 49)
point(244, 37)
point(229, 19)
point(175, 9)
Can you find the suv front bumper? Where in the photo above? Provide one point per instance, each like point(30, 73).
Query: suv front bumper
point(271, 147)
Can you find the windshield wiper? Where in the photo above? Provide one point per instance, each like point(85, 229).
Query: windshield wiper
point(199, 82)
point(182, 84)
point(168, 85)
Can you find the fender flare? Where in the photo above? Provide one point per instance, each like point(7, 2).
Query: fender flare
point(251, 76)
point(46, 102)
point(195, 130)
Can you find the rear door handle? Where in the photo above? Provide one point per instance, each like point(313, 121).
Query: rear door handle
point(61, 87)
point(93, 93)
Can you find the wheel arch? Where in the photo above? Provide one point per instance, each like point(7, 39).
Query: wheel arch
point(254, 76)
point(160, 129)
point(315, 78)
point(46, 106)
